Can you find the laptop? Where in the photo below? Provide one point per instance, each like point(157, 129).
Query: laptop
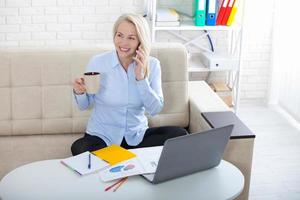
point(191, 153)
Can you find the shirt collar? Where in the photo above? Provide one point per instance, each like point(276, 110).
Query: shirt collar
point(115, 59)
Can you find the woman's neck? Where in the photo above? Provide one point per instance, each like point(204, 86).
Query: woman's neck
point(125, 62)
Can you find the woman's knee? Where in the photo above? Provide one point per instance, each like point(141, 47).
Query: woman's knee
point(177, 131)
point(87, 143)
point(78, 147)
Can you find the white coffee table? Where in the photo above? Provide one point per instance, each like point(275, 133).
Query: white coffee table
point(49, 179)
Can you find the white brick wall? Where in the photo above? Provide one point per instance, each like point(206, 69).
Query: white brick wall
point(2, 20)
point(25, 23)
point(18, 19)
point(41, 23)
point(42, 3)
point(44, 36)
point(18, 3)
point(70, 2)
point(58, 27)
point(44, 19)
point(30, 11)
point(8, 11)
point(18, 36)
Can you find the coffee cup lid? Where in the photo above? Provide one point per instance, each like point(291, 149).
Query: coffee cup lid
point(91, 73)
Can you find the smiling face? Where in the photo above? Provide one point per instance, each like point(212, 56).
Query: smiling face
point(126, 40)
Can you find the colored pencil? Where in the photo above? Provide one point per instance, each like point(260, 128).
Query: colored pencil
point(119, 181)
point(120, 184)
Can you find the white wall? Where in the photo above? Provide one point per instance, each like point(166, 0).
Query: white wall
point(44, 23)
point(41, 23)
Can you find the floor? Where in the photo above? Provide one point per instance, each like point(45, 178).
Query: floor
point(276, 157)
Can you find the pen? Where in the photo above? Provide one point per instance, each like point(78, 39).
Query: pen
point(89, 165)
point(119, 181)
point(120, 184)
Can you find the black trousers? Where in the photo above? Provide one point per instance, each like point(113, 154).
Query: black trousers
point(153, 137)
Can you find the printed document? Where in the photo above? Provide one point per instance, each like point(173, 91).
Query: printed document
point(145, 162)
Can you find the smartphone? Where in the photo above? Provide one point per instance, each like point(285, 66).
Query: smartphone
point(135, 55)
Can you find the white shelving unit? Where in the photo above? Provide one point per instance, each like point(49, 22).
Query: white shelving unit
point(234, 44)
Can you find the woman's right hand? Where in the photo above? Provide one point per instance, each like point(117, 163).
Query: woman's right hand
point(79, 86)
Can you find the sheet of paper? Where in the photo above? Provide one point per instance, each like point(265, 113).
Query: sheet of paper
point(114, 154)
point(127, 168)
point(80, 163)
point(148, 157)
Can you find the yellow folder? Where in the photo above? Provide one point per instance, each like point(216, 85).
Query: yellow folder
point(114, 154)
point(233, 12)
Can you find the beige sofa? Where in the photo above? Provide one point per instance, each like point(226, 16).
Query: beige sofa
point(39, 120)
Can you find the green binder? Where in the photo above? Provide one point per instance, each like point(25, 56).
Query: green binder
point(200, 12)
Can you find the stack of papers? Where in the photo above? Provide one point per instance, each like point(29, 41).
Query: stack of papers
point(149, 157)
point(167, 17)
point(145, 163)
point(100, 159)
point(80, 163)
point(115, 162)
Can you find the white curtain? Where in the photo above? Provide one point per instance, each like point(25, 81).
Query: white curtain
point(285, 86)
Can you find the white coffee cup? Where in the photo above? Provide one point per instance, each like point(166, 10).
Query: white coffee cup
point(92, 82)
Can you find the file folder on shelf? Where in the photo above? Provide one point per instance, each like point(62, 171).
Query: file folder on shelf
point(222, 10)
point(200, 12)
point(233, 12)
point(211, 8)
point(227, 12)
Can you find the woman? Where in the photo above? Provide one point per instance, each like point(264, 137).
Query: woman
point(130, 85)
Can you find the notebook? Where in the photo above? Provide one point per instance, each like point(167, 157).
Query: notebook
point(80, 162)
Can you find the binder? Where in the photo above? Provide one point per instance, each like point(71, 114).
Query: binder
point(232, 13)
point(222, 10)
point(200, 11)
point(211, 12)
point(227, 12)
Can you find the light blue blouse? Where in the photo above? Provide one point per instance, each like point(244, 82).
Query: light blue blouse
point(119, 106)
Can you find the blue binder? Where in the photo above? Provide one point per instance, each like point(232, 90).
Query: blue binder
point(211, 12)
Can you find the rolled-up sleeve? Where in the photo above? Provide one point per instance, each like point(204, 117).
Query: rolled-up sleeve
point(83, 101)
point(151, 90)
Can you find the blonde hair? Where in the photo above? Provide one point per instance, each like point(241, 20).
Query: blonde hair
point(142, 30)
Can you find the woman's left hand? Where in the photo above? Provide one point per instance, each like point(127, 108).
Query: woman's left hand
point(140, 60)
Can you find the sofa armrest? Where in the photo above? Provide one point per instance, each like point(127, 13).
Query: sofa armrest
point(202, 99)
point(238, 151)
